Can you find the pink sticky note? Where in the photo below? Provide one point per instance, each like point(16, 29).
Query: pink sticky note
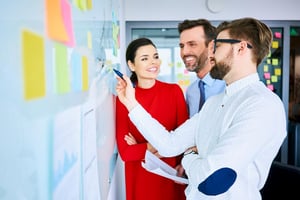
point(67, 18)
point(271, 87)
point(277, 35)
point(267, 75)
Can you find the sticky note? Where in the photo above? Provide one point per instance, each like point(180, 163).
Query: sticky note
point(274, 79)
point(266, 68)
point(268, 61)
point(67, 19)
point(179, 64)
point(277, 72)
point(277, 35)
point(267, 75)
point(89, 40)
point(83, 4)
point(85, 74)
point(62, 70)
point(76, 71)
point(275, 44)
point(275, 61)
point(185, 71)
point(271, 87)
point(89, 4)
point(268, 82)
point(56, 29)
point(179, 76)
point(33, 52)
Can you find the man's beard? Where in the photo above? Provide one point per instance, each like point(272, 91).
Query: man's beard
point(201, 61)
point(220, 69)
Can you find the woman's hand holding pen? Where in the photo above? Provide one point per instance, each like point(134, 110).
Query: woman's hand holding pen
point(126, 92)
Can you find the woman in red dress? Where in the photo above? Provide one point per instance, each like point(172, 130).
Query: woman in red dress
point(166, 103)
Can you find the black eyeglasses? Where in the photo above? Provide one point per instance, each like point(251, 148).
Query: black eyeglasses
point(231, 41)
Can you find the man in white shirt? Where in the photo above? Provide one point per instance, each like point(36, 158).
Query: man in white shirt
point(196, 37)
point(231, 143)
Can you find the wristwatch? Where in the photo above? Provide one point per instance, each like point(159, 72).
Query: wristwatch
point(189, 151)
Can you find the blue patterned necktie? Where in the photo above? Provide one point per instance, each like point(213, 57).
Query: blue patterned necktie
point(202, 94)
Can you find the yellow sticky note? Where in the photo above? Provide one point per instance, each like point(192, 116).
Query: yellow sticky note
point(268, 82)
point(89, 40)
point(274, 79)
point(62, 69)
point(266, 68)
point(85, 74)
point(89, 4)
point(171, 64)
point(275, 61)
point(277, 72)
point(275, 44)
point(269, 61)
point(33, 65)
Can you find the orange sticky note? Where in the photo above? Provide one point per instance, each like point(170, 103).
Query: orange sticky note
point(33, 65)
point(54, 21)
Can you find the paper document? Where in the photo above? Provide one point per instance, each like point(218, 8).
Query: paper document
point(155, 165)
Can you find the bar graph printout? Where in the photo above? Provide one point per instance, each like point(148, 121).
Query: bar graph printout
point(66, 155)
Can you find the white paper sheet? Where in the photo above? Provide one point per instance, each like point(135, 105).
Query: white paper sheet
point(157, 166)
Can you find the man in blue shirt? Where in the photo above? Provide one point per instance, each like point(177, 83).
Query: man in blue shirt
point(196, 38)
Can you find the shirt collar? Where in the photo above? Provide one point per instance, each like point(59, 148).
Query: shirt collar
point(240, 84)
point(208, 80)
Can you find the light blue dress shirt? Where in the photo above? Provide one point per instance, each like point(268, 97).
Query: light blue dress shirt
point(211, 87)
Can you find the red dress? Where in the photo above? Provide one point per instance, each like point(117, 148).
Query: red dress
point(166, 103)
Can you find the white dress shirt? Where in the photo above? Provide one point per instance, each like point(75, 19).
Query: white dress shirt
point(241, 129)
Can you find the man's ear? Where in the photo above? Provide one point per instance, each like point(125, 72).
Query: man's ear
point(211, 48)
point(243, 46)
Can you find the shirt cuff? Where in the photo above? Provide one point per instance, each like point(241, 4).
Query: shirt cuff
point(188, 160)
point(136, 111)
